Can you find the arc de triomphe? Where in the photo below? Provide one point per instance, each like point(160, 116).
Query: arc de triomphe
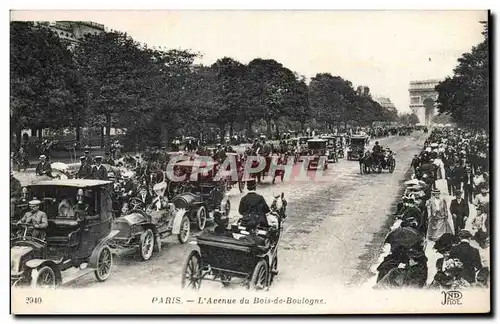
point(423, 97)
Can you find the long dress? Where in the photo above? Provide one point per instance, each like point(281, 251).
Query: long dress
point(438, 217)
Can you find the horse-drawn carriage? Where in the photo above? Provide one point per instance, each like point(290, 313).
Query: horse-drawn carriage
point(235, 254)
point(370, 162)
point(76, 237)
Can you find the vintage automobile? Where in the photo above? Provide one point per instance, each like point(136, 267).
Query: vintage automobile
point(234, 256)
point(76, 237)
point(357, 147)
point(318, 152)
point(144, 230)
point(331, 147)
point(202, 196)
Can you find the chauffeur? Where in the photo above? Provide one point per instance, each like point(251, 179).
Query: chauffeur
point(36, 218)
point(253, 205)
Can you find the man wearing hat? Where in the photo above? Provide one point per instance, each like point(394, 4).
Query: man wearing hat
point(468, 255)
point(87, 155)
point(36, 218)
point(43, 167)
point(108, 160)
point(99, 171)
point(459, 209)
point(85, 171)
point(253, 206)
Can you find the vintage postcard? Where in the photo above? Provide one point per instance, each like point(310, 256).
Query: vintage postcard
point(249, 162)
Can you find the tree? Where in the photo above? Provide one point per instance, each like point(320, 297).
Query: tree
point(44, 89)
point(465, 96)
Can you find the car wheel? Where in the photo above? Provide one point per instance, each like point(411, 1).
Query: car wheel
point(260, 276)
point(104, 263)
point(147, 244)
point(183, 236)
point(201, 217)
point(44, 277)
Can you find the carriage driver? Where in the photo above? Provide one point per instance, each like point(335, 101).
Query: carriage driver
point(36, 218)
point(159, 203)
point(377, 151)
point(254, 206)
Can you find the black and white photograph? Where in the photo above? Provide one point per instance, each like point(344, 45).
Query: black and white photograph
point(250, 162)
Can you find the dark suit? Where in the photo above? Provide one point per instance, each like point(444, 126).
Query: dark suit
point(254, 205)
point(468, 186)
point(85, 171)
point(469, 257)
point(147, 199)
point(461, 210)
point(44, 168)
point(457, 176)
point(100, 172)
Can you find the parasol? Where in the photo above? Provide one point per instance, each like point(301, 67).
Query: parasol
point(59, 166)
point(404, 237)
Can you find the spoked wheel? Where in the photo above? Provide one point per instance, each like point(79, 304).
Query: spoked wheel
point(185, 229)
point(191, 274)
point(392, 166)
point(274, 269)
point(147, 244)
point(260, 276)
point(44, 277)
point(201, 217)
point(104, 263)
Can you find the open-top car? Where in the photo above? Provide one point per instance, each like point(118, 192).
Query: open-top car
point(317, 151)
point(79, 217)
point(144, 230)
point(203, 196)
point(236, 256)
point(357, 147)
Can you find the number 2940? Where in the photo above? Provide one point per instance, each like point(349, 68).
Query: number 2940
point(33, 300)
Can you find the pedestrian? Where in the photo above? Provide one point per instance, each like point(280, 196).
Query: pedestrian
point(437, 211)
point(459, 209)
point(468, 184)
point(85, 171)
point(468, 255)
point(458, 175)
point(415, 163)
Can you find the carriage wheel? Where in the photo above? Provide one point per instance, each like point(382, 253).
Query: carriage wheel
point(392, 166)
point(185, 229)
point(191, 274)
point(104, 262)
point(260, 276)
point(274, 269)
point(45, 277)
point(201, 217)
point(147, 244)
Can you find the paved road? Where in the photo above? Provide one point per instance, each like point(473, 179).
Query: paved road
point(333, 232)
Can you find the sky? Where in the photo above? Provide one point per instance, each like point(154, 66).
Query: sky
point(383, 50)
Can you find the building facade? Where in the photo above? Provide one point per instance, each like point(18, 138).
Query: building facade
point(423, 98)
point(386, 103)
point(73, 31)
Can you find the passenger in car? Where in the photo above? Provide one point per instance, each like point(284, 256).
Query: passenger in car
point(252, 236)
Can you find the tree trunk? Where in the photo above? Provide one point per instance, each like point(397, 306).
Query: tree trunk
point(78, 131)
point(108, 130)
point(277, 129)
point(222, 131)
point(40, 133)
point(18, 137)
point(269, 128)
point(165, 136)
point(102, 136)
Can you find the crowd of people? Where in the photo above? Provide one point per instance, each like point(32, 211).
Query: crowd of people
point(453, 229)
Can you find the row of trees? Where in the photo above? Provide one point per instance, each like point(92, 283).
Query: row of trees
point(465, 95)
point(110, 80)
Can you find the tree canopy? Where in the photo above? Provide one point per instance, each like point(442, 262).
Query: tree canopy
point(465, 95)
point(110, 80)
